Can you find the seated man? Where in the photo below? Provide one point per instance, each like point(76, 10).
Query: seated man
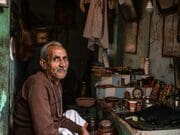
point(38, 107)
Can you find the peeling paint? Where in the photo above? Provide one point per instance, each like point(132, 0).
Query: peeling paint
point(3, 100)
point(4, 70)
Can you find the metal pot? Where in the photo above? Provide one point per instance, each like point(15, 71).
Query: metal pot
point(148, 102)
point(177, 103)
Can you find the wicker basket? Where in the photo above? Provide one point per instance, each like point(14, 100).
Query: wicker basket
point(85, 101)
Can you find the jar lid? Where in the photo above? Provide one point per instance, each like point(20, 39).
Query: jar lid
point(105, 124)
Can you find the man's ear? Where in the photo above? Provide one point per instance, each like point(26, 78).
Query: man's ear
point(43, 64)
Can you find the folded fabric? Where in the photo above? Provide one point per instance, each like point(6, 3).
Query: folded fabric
point(74, 116)
point(64, 131)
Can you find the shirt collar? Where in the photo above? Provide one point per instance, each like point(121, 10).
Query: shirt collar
point(51, 78)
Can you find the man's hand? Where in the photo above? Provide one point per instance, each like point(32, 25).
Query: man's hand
point(84, 131)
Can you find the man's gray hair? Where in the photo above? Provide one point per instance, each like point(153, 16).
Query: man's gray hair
point(44, 51)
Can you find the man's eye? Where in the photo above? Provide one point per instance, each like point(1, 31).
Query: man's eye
point(56, 59)
point(59, 60)
point(66, 59)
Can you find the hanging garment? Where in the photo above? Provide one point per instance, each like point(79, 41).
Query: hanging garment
point(96, 27)
point(82, 4)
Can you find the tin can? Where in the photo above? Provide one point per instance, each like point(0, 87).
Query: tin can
point(139, 105)
point(92, 126)
point(105, 128)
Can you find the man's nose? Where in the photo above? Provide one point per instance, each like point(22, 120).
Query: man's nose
point(62, 63)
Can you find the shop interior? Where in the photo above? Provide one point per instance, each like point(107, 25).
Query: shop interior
point(128, 77)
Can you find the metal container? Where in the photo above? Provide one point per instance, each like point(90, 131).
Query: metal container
point(92, 126)
point(177, 103)
point(147, 102)
point(105, 127)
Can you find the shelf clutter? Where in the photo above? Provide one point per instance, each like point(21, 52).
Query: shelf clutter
point(122, 81)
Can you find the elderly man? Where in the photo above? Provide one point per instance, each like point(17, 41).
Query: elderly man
point(38, 107)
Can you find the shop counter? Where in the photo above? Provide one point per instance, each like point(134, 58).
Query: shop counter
point(123, 127)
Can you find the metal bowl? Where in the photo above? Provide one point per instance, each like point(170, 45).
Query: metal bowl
point(85, 101)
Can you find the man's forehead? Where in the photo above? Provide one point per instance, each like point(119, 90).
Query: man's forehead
point(57, 52)
point(53, 46)
point(56, 48)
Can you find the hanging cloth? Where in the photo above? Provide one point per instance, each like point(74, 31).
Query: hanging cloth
point(96, 27)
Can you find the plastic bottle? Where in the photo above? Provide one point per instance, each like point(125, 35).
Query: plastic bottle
point(147, 66)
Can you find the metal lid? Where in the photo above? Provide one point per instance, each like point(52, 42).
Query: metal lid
point(105, 124)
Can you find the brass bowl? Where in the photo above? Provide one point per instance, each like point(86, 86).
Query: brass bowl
point(85, 101)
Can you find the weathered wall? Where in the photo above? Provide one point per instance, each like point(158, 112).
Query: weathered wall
point(159, 66)
point(4, 70)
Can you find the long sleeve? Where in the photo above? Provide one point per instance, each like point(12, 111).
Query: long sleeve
point(36, 107)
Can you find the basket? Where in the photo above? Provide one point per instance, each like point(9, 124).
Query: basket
point(85, 101)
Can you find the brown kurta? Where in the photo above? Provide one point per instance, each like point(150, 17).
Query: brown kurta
point(36, 109)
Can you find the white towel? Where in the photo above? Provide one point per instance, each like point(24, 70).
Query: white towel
point(74, 116)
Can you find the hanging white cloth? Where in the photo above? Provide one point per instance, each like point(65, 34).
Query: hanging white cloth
point(96, 27)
